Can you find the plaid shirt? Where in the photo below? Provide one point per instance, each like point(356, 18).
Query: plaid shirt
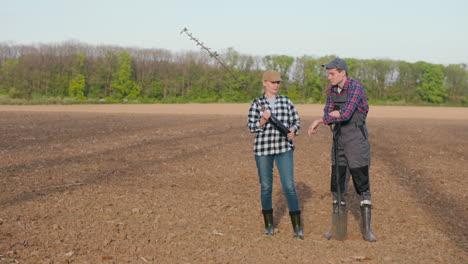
point(268, 140)
point(357, 100)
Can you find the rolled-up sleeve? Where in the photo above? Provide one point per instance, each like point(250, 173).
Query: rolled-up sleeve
point(295, 120)
point(327, 118)
point(255, 113)
point(354, 90)
point(354, 97)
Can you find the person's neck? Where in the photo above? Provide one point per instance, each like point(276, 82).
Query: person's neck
point(270, 95)
point(342, 83)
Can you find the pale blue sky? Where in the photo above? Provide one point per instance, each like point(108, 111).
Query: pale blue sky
point(432, 31)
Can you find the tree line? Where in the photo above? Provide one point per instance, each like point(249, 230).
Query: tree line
point(117, 74)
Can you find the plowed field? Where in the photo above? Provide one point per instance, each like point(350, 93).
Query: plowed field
point(178, 184)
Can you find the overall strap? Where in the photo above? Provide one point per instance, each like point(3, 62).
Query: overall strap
point(338, 103)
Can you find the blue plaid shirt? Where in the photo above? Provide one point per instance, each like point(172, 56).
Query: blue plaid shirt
point(268, 140)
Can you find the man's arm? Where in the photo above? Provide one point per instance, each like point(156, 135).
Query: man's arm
point(313, 127)
point(327, 118)
point(344, 114)
point(354, 97)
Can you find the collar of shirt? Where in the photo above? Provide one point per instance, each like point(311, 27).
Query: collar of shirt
point(336, 88)
point(265, 101)
point(264, 97)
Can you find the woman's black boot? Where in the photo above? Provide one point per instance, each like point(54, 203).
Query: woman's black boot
point(296, 223)
point(268, 218)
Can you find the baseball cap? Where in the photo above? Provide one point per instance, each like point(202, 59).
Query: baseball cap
point(337, 63)
point(272, 76)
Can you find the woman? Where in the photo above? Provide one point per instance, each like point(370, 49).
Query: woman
point(271, 146)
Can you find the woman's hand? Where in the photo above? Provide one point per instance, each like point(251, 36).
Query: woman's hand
point(265, 116)
point(292, 132)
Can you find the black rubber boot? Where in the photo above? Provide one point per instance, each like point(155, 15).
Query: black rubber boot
point(297, 225)
point(339, 230)
point(366, 222)
point(268, 219)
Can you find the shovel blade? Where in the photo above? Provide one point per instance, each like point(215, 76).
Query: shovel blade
point(340, 224)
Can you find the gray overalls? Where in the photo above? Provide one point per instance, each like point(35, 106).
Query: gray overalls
point(353, 151)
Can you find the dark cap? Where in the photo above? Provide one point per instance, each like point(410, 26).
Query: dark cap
point(336, 63)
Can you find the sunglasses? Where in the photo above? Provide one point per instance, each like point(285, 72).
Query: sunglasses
point(277, 82)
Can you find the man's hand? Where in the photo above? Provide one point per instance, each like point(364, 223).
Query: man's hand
point(292, 132)
point(335, 114)
point(313, 126)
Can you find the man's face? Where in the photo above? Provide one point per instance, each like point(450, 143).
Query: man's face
point(335, 77)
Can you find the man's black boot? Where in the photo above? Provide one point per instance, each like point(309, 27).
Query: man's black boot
point(366, 222)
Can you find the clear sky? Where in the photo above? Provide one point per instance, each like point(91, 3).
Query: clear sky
point(434, 31)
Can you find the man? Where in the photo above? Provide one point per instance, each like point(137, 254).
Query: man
point(346, 108)
point(270, 146)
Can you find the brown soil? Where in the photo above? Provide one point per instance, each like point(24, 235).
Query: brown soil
point(178, 184)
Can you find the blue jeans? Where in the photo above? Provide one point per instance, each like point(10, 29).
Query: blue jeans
point(285, 165)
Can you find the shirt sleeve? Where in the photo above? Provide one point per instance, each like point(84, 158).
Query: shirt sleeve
point(327, 118)
point(254, 116)
point(354, 97)
point(295, 119)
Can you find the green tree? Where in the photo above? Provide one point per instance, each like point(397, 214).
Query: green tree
point(405, 84)
point(280, 63)
point(9, 78)
point(457, 83)
point(306, 85)
point(431, 88)
point(77, 87)
point(122, 80)
point(157, 89)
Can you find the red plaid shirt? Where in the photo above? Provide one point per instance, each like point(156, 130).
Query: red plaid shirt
point(357, 100)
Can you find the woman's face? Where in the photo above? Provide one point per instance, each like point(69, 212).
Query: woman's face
point(271, 88)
